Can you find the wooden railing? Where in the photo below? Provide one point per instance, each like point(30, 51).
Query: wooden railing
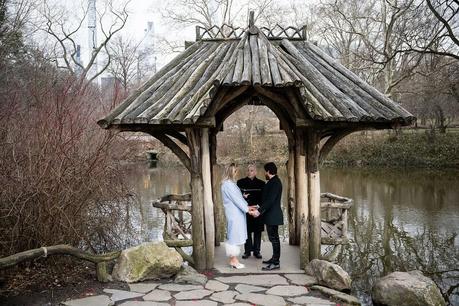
point(177, 228)
point(334, 218)
point(226, 32)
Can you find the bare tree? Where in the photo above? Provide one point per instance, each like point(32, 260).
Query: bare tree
point(57, 22)
point(59, 174)
point(205, 13)
point(129, 61)
point(443, 38)
point(374, 32)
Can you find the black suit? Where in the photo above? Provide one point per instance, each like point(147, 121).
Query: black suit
point(271, 212)
point(270, 209)
point(254, 188)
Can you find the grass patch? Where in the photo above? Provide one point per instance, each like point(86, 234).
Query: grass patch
point(409, 149)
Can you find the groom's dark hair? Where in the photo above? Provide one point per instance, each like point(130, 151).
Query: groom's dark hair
point(271, 168)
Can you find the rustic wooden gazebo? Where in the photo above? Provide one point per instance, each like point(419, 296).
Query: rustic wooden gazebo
point(317, 100)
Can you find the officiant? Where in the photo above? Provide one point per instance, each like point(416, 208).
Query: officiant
point(251, 188)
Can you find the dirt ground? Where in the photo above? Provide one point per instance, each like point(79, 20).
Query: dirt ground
point(49, 282)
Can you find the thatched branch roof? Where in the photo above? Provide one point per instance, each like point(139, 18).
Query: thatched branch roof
point(181, 92)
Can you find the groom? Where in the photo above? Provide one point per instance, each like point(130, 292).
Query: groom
point(271, 212)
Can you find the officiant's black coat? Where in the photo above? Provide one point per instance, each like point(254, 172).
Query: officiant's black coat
point(254, 188)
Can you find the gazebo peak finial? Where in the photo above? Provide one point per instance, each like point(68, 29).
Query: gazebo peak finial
point(251, 18)
point(252, 28)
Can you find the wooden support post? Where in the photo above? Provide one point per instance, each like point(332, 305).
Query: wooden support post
point(301, 189)
point(208, 202)
point(197, 200)
point(218, 207)
point(313, 141)
point(292, 212)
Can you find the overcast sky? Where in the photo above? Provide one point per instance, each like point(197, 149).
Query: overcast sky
point(140, 13)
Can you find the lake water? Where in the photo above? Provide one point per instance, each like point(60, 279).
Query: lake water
point(401, 220)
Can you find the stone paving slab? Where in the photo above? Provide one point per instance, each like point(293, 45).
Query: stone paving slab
point(254, 279)
point(193, 294)
point(252, 289)
point(178, 287)
point(243, 288)
point(196, 303)
point(224, 297)
point(97, 300)
point(121, 295)
point(158, 295)
point(143, 303)
point(216, 286)
point(310, 300)
point(301, 279)
point(287, 290)
point(261, 299)
point(143, 287)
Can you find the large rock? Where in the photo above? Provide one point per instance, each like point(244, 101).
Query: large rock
point(329, 274)
point(406, 288)
point(149, 260)
point(188, 275)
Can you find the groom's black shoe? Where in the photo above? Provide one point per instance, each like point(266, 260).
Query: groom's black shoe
point(269, 261)
point(271, 266)
point(257, 255)
point(245, 255)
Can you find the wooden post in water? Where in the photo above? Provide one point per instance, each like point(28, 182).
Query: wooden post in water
point(302, 197)
point(313, 147)
point(208, 202)
point(197, 200)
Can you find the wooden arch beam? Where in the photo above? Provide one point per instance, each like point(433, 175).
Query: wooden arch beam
point(175, 148)
point(177, 135)
point(280, 100)
point(333, 139)
point(241, 101)
point(287, 124)
point(230, 107)
point(225, 95)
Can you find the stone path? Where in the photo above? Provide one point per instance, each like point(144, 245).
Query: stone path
point(272, 289)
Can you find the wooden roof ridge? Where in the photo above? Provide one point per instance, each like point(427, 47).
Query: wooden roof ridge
point(181, 92)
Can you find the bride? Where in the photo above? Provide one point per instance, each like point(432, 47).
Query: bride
point(236, 208)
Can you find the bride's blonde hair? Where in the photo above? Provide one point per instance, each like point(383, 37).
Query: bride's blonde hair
point(230, 172)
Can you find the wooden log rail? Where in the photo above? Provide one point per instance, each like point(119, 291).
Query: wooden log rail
point(335, 220)
point(100, 260)
point(63, 249)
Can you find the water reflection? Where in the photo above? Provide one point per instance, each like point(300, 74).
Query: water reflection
point(401, 220)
